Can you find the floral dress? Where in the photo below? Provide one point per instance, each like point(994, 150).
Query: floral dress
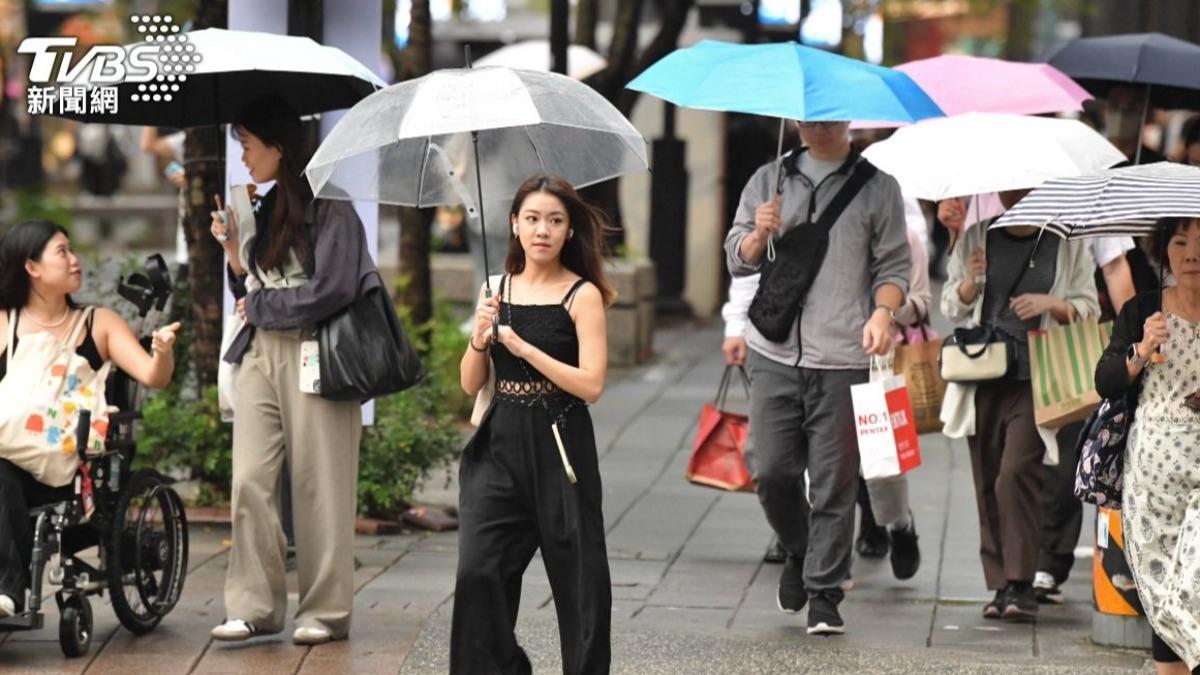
point(1161, 507)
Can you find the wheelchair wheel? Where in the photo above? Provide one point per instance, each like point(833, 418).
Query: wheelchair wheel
point(75, 626)
point(146, 552)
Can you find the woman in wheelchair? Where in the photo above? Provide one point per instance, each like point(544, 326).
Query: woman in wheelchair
point(38, 274)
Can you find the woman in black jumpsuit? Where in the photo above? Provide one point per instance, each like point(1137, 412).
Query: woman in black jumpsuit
point(519, 491)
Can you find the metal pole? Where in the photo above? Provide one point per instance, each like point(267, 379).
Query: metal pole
point(1137, 158)
point(560, 11)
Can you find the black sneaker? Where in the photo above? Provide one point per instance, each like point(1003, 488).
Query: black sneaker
point(791, 596)
point(776, 553)
point(1021, 605)
point(872, 541)
point(823, 616)
point(1047, 590)
point(906, 555)
point(995, 608)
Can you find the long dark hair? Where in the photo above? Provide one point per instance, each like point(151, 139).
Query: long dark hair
point(583, 253)
point(24, 242)
point(278, 125)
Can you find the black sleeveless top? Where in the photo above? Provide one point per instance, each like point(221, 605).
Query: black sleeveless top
point(550, 329)
point(87, 349)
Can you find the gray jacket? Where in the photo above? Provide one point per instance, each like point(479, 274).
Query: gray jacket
point(868, 247)
point(341, 269)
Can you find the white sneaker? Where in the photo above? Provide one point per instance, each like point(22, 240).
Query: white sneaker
point(8, 606)
point(306, 635)
point(234, 630)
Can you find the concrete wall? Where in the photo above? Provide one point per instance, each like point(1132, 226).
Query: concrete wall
point(704, 133)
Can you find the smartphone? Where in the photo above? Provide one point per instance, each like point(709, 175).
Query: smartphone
point(173, 169)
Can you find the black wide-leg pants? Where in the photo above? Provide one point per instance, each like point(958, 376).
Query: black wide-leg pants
point(19, 492)
point(514, 498)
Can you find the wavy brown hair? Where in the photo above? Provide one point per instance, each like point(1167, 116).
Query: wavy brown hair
point(583, 253)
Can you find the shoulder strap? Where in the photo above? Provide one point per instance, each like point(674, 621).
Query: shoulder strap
point(862, 172)
point(570, 296)
point(503, 282)
point(1020, 273)
point(13, 315)
point(81, 323)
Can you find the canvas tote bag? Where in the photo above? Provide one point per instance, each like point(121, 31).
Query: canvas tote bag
point(46, 388)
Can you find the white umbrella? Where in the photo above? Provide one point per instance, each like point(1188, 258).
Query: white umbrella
point(582, 62)
point(208, 76)
point(987, 152)
point(415, 141)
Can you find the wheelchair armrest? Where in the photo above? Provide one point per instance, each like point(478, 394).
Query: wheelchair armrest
point(123, 417)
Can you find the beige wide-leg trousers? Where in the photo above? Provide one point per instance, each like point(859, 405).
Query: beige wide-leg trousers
point(321, 440)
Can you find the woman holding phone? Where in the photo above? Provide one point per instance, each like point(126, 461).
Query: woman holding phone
point(306, 262)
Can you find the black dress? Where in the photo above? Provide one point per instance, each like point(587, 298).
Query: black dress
point(514, 498)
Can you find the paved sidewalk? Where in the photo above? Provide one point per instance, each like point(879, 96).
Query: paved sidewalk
point(691, 594)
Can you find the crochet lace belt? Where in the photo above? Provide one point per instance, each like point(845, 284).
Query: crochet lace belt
point(528, 393)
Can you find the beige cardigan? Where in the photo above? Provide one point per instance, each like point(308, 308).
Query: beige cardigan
point(1073, 282)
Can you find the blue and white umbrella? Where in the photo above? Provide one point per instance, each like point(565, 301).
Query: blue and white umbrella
point(1121, 201)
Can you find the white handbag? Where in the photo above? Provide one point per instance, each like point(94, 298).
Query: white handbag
point(963, 362)
point(483, 399)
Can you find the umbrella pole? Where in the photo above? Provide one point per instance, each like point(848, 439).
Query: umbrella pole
point(487, 270)
point(778, 185)
point(479, 204)
point(1157, 357)
point(1137, 158)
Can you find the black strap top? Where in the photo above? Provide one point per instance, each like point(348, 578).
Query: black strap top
point(87, 349)
point(547, 327)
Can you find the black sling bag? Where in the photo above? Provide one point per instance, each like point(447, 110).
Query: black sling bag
point(798, 256)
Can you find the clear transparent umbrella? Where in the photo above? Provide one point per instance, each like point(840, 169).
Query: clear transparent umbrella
point(414, 143)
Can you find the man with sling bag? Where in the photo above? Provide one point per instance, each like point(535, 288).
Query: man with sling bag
point(828, 236)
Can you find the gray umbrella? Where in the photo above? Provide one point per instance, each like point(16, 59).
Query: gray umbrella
point(1168, 67)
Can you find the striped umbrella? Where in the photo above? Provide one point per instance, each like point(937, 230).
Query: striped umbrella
point(1121, 201)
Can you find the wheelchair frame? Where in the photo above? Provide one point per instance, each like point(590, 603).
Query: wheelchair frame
point(60, 528)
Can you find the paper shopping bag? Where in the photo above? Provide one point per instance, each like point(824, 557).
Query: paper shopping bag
point(883, 420)
point(918, 364)
point(1062, 367)
point(719, 452)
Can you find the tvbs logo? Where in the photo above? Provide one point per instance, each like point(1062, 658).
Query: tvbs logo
point(101, 65)
point(62, 83)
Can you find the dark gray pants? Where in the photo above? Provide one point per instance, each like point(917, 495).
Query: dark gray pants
point(803, 420)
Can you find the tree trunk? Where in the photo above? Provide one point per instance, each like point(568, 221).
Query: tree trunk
point(585, 23)
point(1021, 16)
point(204, 153)
point(416, 292)
point(624, 64)
point(674, 17)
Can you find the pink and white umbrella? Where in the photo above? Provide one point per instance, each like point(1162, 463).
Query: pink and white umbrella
point(963, 84)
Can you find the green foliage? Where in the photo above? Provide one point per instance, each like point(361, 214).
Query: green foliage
point(410, 438)
point(415, 431)
point(178, 434)
point(418, 430)
point(39, 205)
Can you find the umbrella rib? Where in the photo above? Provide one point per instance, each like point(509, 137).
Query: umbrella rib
point(536, 151)
point(424, 165)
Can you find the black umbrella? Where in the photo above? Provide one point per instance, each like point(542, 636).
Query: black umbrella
point(207, 76)
point(1168, 67)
